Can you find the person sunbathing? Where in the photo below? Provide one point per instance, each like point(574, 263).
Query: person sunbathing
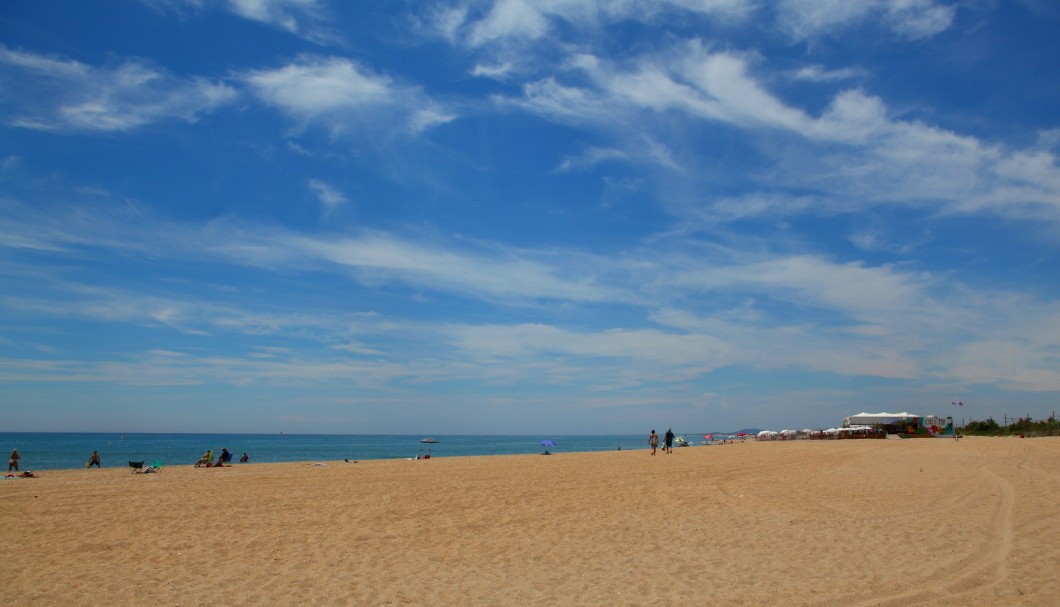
point(204, 461)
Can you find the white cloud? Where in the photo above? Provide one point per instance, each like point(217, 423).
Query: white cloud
point(591, 157)
point(691, 80)
point(319, 85)
point(304, 18)
point(908, 18)
point(652, 352)
point(58, 95)
point(853, 156)
point(281, 13)
point(491, 274)
point(509, 19)
point(329, 197)
point(8, 166)
point(513, 21)
point(851, 117)
point(341, 93)
point(492, 71)
point(817, 73)
point(730, 94)
point(446, 21)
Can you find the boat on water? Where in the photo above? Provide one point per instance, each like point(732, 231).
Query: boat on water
point(428, 440)
point(680, 441)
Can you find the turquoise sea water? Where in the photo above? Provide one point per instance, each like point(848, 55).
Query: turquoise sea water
point(54, 451)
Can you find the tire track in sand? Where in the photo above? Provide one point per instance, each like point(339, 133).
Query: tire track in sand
point(988, 569)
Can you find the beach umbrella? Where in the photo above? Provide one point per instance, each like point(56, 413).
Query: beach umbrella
point(741, 434)
point(708, 436)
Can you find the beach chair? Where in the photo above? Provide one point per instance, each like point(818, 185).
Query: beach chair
point(137, 466)
point(156, 466)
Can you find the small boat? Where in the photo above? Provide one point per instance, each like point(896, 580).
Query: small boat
point(428, 440)
point(680, 441)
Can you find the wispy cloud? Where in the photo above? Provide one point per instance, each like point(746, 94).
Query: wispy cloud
point(591, 157)
point(478, 270)
point(62, 95)
point(477, 23)
point(687, 313)
point(516, 22)
point(285, 14)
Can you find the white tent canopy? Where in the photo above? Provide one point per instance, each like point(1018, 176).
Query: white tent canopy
point(868, 419)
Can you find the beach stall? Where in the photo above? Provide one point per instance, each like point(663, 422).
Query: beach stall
point(905, 425)
point(872, 419)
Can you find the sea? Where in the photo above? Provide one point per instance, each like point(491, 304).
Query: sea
point(62, 450)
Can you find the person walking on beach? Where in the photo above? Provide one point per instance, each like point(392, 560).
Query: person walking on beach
point(653, 440)
point(12, 463)
point(93, 460)
point(669, 440)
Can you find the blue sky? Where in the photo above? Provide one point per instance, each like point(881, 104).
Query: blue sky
point(526, 217)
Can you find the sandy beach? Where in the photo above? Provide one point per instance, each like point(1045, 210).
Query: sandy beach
point(856, 522)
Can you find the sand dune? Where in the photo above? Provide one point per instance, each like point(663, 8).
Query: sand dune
point(912, 522)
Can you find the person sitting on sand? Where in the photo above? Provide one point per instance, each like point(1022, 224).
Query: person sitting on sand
point(205, 460)
point(225, 457)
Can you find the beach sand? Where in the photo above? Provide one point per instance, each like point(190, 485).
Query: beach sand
point(853, 522)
